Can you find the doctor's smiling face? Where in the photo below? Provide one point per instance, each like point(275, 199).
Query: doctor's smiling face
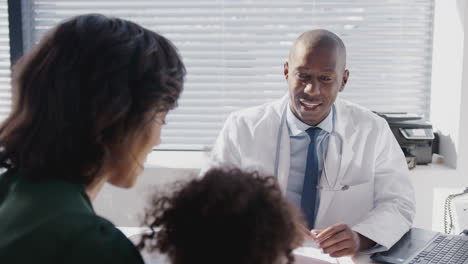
point(315, 74)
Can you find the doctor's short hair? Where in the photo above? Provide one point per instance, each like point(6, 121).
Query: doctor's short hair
point(228, 216)
point(86, 94)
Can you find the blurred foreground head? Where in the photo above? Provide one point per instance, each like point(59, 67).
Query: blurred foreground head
point(90, 99)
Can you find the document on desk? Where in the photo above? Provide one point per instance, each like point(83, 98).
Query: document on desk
point(311, 255)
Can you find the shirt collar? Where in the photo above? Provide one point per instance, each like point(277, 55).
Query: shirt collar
point(297, 127)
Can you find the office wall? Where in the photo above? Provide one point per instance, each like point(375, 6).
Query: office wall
point(125, 207)
point(447, 73)
point(463, 153)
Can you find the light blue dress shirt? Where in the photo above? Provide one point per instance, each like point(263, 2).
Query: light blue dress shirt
point(299, 142)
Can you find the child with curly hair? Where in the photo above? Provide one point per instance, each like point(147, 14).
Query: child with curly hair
point(228, 216)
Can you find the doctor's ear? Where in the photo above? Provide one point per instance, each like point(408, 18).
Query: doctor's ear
point(344, 80)
point(286, 70)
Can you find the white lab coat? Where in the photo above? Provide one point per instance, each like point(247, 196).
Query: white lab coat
point(362, 155)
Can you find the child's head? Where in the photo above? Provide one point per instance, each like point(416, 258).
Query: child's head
point(228, 216)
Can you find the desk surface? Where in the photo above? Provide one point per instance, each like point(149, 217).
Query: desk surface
point(133, 232)
point(159, 259)
point(363, 259)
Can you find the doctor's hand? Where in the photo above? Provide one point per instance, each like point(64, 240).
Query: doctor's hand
point(339, 240)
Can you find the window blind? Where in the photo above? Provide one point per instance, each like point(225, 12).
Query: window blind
point(5, 87)
point(234, 51)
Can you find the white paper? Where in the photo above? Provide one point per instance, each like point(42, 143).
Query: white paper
point(311, 255)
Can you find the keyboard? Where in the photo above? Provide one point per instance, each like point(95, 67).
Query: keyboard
point(444, 249)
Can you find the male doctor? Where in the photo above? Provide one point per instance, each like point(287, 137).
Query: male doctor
point(337, 161)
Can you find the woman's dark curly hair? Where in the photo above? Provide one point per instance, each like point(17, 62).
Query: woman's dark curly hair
point(84, 94)
point(228, 216)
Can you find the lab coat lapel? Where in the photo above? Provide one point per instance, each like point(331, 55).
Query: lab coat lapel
point(283, 145)
point(345, 129)
point(284, 159)
point(339, 155)
point(328, 178)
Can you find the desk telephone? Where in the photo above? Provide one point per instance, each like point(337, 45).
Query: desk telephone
point(449, 223)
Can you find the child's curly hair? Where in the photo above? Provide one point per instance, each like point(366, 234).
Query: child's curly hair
point(228, 216)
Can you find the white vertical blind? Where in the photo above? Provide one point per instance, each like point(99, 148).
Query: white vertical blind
point(5, 88)
point(234, 51)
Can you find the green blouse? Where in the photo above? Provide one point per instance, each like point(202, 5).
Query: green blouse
point(53, 221)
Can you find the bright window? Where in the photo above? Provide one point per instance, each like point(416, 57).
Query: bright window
point(234, 51)
point(5, 87)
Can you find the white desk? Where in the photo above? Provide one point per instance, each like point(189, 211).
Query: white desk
point(133, 234)
point(363, 259)
point(311, 255)
point(158, 259)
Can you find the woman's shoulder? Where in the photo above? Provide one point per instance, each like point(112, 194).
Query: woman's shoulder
point(6, 179)
point(93, 239)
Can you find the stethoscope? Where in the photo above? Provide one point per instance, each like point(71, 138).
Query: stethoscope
point(323, 186)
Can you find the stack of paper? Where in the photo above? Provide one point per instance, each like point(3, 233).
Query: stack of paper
point(311, 255)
